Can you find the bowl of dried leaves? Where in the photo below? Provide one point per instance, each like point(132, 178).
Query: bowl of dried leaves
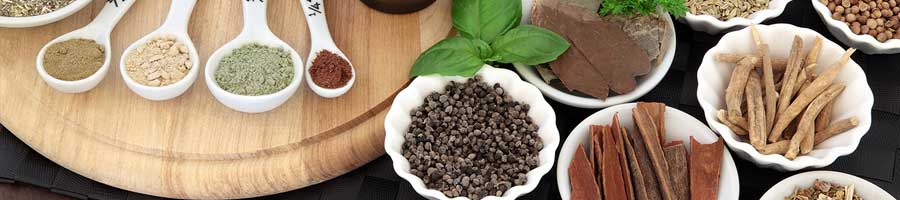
point(787, 103)
point(825, 185)
point(623, 54)
point(30, 13)
point(716, 16)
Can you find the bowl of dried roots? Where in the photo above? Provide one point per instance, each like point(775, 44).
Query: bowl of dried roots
point(786, 103)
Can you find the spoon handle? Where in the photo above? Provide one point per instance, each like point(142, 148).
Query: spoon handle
point(314, 11)
point(255, 17)
point(110, 15)
point(179, 15)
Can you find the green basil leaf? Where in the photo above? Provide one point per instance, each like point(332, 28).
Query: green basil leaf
point(486, 19)
point(484, 49)
point(529, 45)
point(455, 56)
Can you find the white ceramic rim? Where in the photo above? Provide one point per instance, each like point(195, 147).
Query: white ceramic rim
point(562, 174)
point(714, 25)
point(38, 20)
point(645, 83)
point(541, 113)
point(865, 43)
point(779, 162)
point(806, 179)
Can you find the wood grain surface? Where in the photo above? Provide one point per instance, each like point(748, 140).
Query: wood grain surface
point(195, 147)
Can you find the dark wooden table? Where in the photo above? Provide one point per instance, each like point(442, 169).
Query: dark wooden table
point(877, 159)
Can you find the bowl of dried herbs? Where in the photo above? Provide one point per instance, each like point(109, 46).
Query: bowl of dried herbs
point(30, 13)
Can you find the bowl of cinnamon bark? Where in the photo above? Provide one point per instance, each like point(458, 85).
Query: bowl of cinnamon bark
point(645, 151)
point(785, 97)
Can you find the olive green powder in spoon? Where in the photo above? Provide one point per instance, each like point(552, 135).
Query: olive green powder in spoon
point(74, 59)
point(255, 70)
point(27, 8)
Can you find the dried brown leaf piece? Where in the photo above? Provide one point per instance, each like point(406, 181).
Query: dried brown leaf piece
point(593, 65)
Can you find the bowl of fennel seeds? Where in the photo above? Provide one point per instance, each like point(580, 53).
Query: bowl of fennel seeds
point(31, 13)
point(717, 16)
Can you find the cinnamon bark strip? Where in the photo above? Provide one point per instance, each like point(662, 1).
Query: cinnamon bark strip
point(705, 177)
point(613, 176)
point(734, 93)
point(597, 131)
point(824, 117)
point(648, 130)
point(651, 182)
point(720, 114)
point(790, 76)
point(836, 128)
point(658, 112)
point(806, 96)
point(807, 122)
point(779, 147)
point(756, 115)
point(678, 166)
point(637, 176)
point(594, 149)
point(616, 131)
point(771, 99)
point(580, 177)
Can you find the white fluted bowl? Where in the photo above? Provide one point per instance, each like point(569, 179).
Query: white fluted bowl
point(679, 126)
point(645, 83)
point(38, 20)
point(863, 188)
point(398, 119)
point(856, 99)
point(712, 25)
point(865, 43)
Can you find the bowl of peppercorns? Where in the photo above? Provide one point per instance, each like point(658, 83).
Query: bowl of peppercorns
point(872, 26)
point(491, 136)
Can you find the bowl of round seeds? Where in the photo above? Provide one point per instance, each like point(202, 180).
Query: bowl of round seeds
point(491, 136)
point(30, 13)
point(872, 26)
point(716, 16)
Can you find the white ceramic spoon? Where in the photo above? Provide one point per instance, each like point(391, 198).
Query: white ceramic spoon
point(321, 40)
point(176, 25)
point(256, 30)
point(99, 31)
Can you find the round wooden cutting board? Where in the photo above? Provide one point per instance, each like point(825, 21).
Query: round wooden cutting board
point(195, 147)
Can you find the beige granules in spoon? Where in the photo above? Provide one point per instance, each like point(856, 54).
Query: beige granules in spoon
point(159, 62)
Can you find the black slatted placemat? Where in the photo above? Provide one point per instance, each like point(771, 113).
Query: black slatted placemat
point(877, 159)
